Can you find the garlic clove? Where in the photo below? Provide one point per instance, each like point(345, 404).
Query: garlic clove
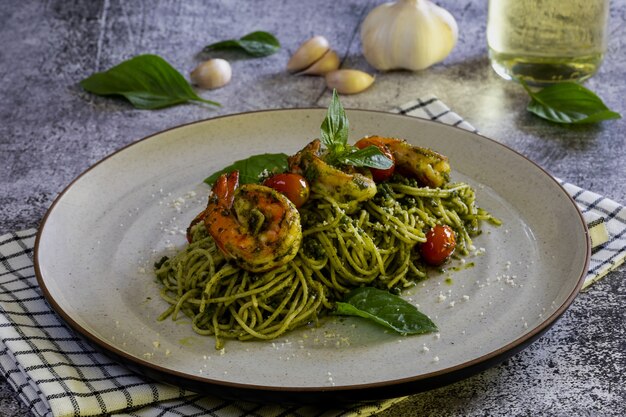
point(327, 63)
point(348, 81)
point(309, 52)
point(407, 34)
point(211, 74)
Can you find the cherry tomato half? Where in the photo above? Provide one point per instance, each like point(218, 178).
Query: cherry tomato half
point(439, 245)
point(379, 175)
point(294, 186)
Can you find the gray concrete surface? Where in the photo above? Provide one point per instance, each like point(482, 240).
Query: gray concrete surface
point(51, 130)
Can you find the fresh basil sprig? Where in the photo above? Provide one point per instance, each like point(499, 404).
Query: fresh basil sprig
point(147, 81)
point(256, 44)
point(334, 135)
point(568, 103)
point(334, 129)
point(386, 309)
point(252, 169)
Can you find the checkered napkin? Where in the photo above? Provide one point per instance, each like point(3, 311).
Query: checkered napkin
point(57, 373)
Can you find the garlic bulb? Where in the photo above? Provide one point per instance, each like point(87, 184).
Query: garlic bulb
point(309, 52)
point(348, 81)
point(212, 74)
point(407, 34)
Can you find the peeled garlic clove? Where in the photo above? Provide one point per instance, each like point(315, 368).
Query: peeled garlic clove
point(309, 52)
point(327, 63)
point(211, 74)
point(407, 34)
point(348, 81)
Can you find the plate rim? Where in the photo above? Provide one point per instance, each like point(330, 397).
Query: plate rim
point(344, 393)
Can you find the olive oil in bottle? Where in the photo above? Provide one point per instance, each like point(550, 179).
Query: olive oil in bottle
point(547, 41)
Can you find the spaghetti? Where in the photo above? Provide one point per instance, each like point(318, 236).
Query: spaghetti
point(343, 247)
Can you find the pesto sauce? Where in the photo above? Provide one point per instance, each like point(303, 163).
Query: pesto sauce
point(463, 266)
point(187, 341)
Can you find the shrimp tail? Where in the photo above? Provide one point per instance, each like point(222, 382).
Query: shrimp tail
point(223, 195)
point(224, 189)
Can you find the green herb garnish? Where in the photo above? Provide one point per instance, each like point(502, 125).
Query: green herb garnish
point(253, 169)
point(568, 103)
point(256, 44)
point(386, 309)
point(147, 81)
point(334, 135)
point(334, 129)
point(370, 157)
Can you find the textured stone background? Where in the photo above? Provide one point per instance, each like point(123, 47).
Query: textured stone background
point(50, 131)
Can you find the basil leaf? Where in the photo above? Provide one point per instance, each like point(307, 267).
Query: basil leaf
point(147, 81)
point(386, 309)
point(370, 157)
point(334, 129)
point(257, 44)
point(334, 135)
point(252, 169)
point(568, 103)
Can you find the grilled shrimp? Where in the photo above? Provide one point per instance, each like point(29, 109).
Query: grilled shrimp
point(256, 226)
point(427, 166)
point(328, 180)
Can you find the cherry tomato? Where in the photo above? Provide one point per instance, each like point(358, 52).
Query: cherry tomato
point(439, 245)
point(294, 186)
point(379, 175)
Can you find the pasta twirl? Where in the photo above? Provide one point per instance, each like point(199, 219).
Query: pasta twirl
point(344, 246)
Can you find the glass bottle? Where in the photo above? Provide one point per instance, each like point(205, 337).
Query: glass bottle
point(547, 41)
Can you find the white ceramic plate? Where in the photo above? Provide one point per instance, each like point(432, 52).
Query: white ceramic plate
point(96, 247)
